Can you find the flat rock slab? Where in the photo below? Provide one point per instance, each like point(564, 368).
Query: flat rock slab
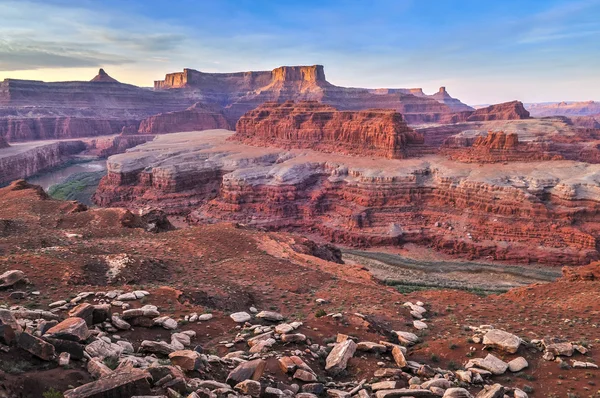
point(502, 340)
point(338, 358)
point(73, 329)
point(270, 316)
point(405, 392)
point(407, 338)
point(489, 363)
point(12, 277)
point(517, 364)
point(9, 328)
point(36, 346)
point(247, 370)
point(123, 384)
point(240, 317)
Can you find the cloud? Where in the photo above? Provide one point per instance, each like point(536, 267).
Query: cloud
point(32, 54)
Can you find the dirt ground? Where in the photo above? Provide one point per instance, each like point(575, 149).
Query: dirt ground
point(223, 268)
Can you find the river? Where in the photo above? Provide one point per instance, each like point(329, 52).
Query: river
point(60, 174)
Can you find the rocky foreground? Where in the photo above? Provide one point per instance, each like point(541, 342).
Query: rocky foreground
point(97, 306)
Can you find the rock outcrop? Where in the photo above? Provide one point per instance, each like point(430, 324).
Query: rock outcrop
point(309, 124)
point(365, 201)
point(195, 118)
point(103, 77)
point(27, 159)
point(505, 111)
point(241, 92)
point(583, 108)
point(496, 146)
point(24, 161)
point(3, 143)
point(32, 110)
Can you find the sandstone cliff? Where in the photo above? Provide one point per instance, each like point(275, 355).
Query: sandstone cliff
point(364, 201)
point(309, 124)
point(583, 108)
point(31, 110)
point(195, 118)
point(240, 92)
point(25, 160)
point(43, 128)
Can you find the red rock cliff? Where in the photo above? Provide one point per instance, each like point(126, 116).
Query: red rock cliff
point(309, 124)
point(196, 117)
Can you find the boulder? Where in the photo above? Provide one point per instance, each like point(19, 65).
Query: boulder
point(406, 392)
point(97, 368)
point(457, 392)
point(157, 347)
point(73, 329)
point(398, 356)
point(249, 387)
point(186, 359)
point(166, 322)
point(560, 349)
point(36, 346)
point(120, 323)
point(337, 360)
point(240, 317)
point(9, 327)
point(407, 338)
point(502, 340)
point(489, 363)
point(384, 385)
point(102, 349)
point(75, 349)
point(305, 376)
point(118, 384)
point(270, 316)
point(493, 391)
point(84, 311)
point(11, 278)
point(247, 370)
point(517, 364)
point(367, 346)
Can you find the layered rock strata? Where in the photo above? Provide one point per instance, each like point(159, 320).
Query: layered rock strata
point(21, 161)
point(309, 124)
point(24, 160)
point(195, 118)
point(474, 211)
point(242, 91)
point(32, 110)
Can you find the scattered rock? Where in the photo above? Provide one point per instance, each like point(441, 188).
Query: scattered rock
point(247, 370)
point(36, 346)
point(11, 278)
point(124, 383)
point(240, 317)
point(502, 340)
point(517, 364)
point(337, 360)
point(270, 316)
point(73, 329)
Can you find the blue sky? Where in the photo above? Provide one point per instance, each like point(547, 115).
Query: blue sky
point(483, 51)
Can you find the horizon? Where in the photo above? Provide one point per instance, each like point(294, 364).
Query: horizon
point(482, 53)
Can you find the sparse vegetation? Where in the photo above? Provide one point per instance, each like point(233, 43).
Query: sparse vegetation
point(320, 313)
point(52, 393)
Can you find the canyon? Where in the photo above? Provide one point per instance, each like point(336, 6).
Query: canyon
point(467, 210)
point(23, 160)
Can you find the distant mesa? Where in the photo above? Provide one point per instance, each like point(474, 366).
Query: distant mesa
point(195, 118)
point(103, 77)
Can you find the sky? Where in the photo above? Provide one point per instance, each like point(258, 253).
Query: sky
point(482, 51)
